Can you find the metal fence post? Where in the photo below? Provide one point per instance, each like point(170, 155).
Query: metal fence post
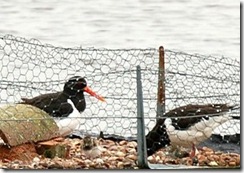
point(161, 84)
point(141, 141)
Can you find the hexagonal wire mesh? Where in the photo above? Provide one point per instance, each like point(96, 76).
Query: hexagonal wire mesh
point(199, 79)
point(30, 68)
point(188, 81)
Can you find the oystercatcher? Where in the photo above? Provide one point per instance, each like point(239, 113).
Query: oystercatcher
point(188, 126)
point(56, 104)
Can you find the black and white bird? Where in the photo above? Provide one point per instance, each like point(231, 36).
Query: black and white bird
point(68, 124)
point(55, 104)
point(188, 126)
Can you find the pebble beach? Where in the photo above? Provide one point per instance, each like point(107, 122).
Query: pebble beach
point(114, 155)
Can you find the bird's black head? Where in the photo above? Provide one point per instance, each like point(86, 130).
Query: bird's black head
point(157, 138)
point(78, 84)
point(75, 84)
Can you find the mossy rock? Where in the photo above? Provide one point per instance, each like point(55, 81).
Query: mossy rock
point(22, 123)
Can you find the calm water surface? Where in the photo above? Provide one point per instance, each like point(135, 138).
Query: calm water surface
point(205, 27)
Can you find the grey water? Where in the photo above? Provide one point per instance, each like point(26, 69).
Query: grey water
point(205, 27)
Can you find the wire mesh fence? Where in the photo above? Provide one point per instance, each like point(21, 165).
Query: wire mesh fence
point(199, 79)
point(30, 68)
point(203, 88)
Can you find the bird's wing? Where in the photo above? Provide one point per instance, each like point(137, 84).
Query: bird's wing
point(185, 116)
point(39, 100)
point(54, 104)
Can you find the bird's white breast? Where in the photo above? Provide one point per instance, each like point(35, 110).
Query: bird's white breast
point(68, 124)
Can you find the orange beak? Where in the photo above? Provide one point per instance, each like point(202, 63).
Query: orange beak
point(92, 93)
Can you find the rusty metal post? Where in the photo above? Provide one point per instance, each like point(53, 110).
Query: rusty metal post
point(161, 84)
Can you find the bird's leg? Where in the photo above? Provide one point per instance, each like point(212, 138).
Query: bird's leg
point(193, 151)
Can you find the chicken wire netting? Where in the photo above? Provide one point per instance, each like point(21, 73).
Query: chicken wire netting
point(201, 87)
point(30, 68)
point(199, 79)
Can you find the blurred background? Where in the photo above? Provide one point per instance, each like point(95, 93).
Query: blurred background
point(205, 27)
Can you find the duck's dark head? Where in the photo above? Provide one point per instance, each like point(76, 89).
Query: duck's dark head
point(78, 84)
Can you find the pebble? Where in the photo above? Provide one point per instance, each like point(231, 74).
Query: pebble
point(120, 165)
point(87, 161)
point(132, 157)
point(150, 159)
point(99, 161)
point(132, 144)
point(157, 158)
point(112, 158)
point(232, 163)
point(213, 163)
point(131, 150)
point(113, 148)
point(238, 159)
point(120, 154)
point(123, 143)
point(36, 159)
